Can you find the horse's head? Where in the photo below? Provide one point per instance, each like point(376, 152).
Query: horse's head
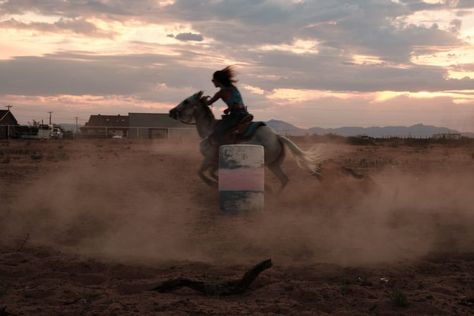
point(186, 110)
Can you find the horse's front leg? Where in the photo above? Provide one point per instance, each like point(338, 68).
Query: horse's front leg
point(213, 172)
point(206, 165)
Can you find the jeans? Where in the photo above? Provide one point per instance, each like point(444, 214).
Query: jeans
point(226, 124)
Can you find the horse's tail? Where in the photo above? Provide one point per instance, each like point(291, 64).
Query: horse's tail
point(310, 159)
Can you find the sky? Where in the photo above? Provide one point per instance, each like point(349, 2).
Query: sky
point(307, 62)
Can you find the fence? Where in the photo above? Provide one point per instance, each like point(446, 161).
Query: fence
point(137, 132)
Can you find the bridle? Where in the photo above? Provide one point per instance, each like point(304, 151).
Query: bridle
point(187, 123)
point(184, 122)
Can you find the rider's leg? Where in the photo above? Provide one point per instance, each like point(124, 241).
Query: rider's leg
point(226, 124)
point(216, 137)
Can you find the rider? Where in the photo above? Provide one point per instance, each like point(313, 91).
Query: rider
point(236, 110)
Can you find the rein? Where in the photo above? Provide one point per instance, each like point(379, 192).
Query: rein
point(187, 123)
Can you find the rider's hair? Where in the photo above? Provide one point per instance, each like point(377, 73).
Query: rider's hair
point(225, 76)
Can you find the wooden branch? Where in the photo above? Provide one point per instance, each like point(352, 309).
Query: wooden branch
point(233, 287)
point(23, 242)
point(3, 311)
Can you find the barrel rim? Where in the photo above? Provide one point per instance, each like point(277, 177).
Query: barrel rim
point(241, 145)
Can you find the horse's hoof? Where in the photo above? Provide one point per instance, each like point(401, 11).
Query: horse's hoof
point(210, 182)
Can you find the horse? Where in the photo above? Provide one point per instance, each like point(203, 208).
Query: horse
point(195, 111)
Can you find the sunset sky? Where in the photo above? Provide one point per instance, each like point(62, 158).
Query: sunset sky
point(325, 63)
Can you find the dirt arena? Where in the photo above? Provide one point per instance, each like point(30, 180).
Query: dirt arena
point(88, 227)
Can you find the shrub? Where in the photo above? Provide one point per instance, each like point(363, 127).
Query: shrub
point(361, 140)
point(36, 156)
point(398, 298)
point(344, 288)
point(62, 156)
point(5, 159)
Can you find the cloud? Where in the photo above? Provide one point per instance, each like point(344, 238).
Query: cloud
point(362, 27)
point(76, 74)
point(79, 26)
point(465, 4)
point(149, 77)
point(80, 73)
point(73, 9)
point(188, 37)
point(365, 27)
point(455, 25)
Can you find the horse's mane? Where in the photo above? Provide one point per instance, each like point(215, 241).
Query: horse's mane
point(204, 115)
point(207, 113)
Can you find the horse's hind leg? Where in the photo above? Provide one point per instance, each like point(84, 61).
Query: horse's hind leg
point(278, 172)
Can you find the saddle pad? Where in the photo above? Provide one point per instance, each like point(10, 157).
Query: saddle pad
point(251, 129)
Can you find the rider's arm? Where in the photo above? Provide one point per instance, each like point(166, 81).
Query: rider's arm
point(216, 97)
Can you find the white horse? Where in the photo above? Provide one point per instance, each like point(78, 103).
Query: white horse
point(195, 111)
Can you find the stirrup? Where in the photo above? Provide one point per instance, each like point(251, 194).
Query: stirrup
point(246, 119)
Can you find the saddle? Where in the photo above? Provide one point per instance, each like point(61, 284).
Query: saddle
point(243, 131)
point(242, 126)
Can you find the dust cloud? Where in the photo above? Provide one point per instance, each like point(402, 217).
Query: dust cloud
point(146, 204)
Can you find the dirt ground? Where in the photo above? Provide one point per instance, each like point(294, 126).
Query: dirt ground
point(88, 227)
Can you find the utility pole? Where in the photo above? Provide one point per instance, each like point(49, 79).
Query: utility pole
point(75, 129)
point(50, 117)
point(8, 126)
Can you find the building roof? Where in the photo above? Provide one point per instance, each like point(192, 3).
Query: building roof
point(159, 120)
point(108, 120)
point(7, 118)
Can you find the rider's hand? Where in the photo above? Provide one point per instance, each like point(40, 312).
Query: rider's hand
point(206, 99)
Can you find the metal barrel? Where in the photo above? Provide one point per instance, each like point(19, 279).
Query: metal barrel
point(241, 178)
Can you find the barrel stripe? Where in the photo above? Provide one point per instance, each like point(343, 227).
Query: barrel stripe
point(234, 202)
point(241, 178)
point(244, 179)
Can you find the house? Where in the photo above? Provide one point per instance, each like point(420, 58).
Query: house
point(137, 126)
point(8, 124)
point(106, 126)
point(157, 125)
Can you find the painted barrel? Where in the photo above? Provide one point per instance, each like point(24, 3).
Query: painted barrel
point(241, 178)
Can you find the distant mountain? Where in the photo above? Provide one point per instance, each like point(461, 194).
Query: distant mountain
point(418, 130)
point(285, 128)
